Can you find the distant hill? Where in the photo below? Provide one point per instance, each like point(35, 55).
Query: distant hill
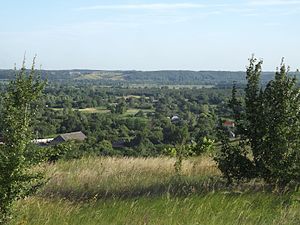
point(166, 77)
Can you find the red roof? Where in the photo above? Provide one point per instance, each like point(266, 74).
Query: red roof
point(229, 124)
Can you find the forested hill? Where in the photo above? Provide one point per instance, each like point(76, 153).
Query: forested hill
point(176, 77)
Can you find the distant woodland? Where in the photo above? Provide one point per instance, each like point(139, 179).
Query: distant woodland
point(123, 78)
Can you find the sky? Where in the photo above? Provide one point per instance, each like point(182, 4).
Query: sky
point(149, 35)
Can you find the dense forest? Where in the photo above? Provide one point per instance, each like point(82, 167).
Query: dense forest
point(129, 78)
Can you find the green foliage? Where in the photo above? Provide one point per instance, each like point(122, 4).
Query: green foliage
point(98, 148)
point(118, 108)
point(75, 150)
point(17, 115)
point(180, 136)
point(281, 129)
point(180, 152)
point(35, 154)
point(206, 124)
point(105, 148)
point(59, 151)
point(205, 145)
point(198, 112)
point(237, 110)
point(233, 160)
point(269, 127)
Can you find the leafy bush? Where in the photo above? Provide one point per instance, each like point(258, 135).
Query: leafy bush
point(63, 150)
point(205, 145)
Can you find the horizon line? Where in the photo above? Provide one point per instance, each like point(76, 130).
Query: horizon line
point(140, 70)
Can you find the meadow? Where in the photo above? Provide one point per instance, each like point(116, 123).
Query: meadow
point(104, 110)
point(171, 86)
point(147, 191)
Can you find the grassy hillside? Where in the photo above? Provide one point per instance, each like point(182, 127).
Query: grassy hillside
point(101, 75)
point(146, 191)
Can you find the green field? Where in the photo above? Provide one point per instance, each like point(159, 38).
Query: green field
point(104, 75)
point(179, 86)
point(146, 191)
point(88, 110)
point(130, 111)
point(94, 110)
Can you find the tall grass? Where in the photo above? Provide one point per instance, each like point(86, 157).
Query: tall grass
point(259, 208)
point(146, 191)
point(122, 177)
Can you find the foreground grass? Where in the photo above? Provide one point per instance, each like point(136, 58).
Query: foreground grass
point(145, 191)
point(125, 177)
point(207, 209)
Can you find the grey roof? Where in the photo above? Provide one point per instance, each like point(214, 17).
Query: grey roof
point(79, 136)
point(118, 144)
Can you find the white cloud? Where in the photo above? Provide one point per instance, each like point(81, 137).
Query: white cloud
point(274, 2)
point(158, 6)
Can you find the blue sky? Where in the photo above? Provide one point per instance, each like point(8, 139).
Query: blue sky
point(149, 35)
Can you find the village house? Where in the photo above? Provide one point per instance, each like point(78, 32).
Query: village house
point(73, 136)
point(119, 144)
point(228, 123)
point(175, 119)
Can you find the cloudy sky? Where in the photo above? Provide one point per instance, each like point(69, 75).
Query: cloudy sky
point(149, 35)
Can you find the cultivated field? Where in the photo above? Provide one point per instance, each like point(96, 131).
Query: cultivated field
point(146, 191)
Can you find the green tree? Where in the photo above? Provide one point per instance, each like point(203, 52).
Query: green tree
point(235, 104)
point(269, 147)
point(280, 151)
point(252, 132)
point(121, 107)
point(17, 180)
point(233, 160)
point(180, 150)
point(206, 125)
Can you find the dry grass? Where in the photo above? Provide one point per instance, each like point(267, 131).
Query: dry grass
point(106, 177)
